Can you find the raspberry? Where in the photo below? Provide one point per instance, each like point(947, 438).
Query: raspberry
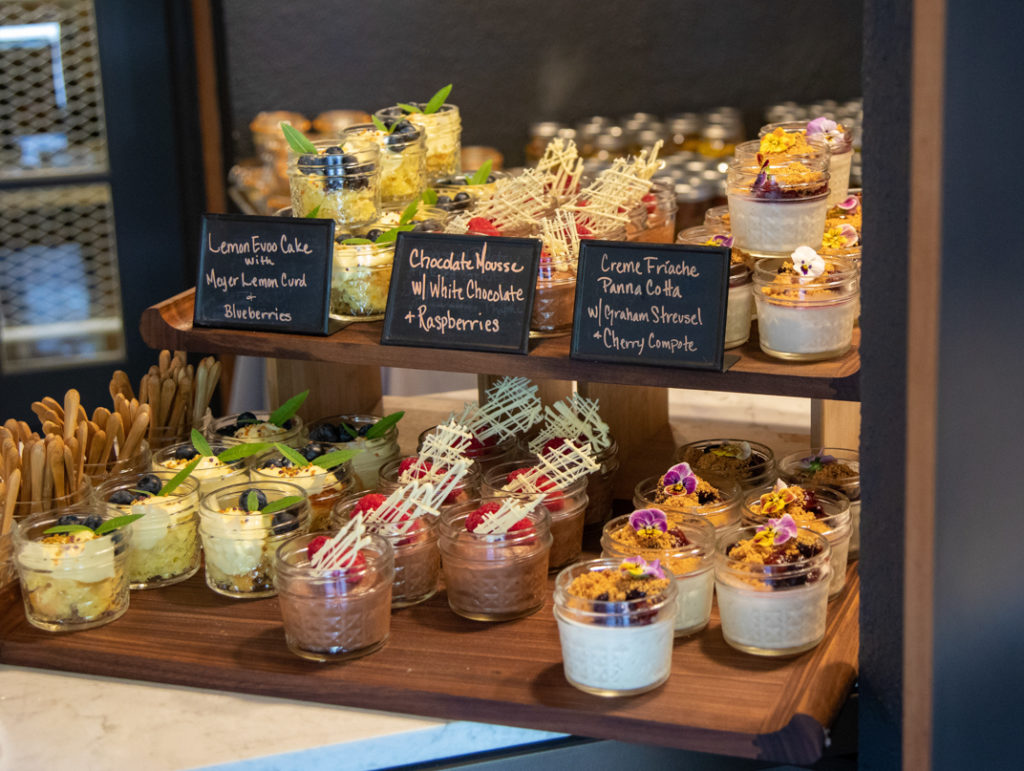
point(583, 230)
point(369, 502)
point(476, 517)
point(482, 226)
point(554, 500)
point(407, 463)
point(523, 524)
point(315, 545)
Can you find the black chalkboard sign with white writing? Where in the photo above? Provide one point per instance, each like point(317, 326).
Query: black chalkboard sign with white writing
point(659, 304)
point(468, 292)
point(265, 273)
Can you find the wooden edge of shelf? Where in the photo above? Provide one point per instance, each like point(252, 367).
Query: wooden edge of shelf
point(168, 324)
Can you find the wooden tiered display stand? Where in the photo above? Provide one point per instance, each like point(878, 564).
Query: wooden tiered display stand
point(438, 664)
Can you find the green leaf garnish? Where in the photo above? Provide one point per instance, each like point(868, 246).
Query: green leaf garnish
point(116, 522)
point(383, 425)
point(353, 433)
point(356, 241)
point(282, 414)
point(380, 124)
point(390, 235)
point(429, 196)
point(281, 503)
point(297, 140)
point(480, 175)
point(331, 459)
point(200, 443)
point(314, 213)
point(57, 529)
point(180, 477)
point(409, 107)
point(298, 460)
point(252, 501)
point(239, 451)
point(437, 100)
point(409, 212)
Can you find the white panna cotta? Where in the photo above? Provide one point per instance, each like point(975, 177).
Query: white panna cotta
point(777, 226)
point(825, 330)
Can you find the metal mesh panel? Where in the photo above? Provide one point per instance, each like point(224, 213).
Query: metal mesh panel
point(51, 103)
point(60, 298)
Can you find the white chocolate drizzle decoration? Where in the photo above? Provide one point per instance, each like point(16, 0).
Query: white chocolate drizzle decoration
point(561, 240)
point(443, 448)
point(512, 406)
point(619, 187)
point(562, 465)
point(400, 510)
point(518, 202)
point(562, 166)
point(511, 511)
point(572, 418)
point(341, 551)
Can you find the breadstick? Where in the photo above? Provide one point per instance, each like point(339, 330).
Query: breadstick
point(10, 500)
point(96, 447)
point(164, 360)
point(106, 454)
point(72, 401)
point(167, 389)
point(100, 416)
point(55, 463)
point(26, 432)
point(80, 450)
point(38, 457)
point(137, 431)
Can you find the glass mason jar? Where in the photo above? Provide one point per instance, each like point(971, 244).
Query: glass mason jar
point(813, 148)
point(403, 160)
point(804, 318)
point(716, 220)
point(391, 478)
point(600, 485)
point(455, 194)
point(692, 565)
point(165, 542)
point(614, 648)
point(567, 507)
point(841, 150)
point(8, 573)
point(444, 136)
point(772, 610)
point(416, 556)
point(684, 132)
point(71, 586)
point(137, 463)
point(211, 473)
point(323, 487)
point(831, 467)
point(740, 305)
point(360, 279)
point(239, 545)
point(373, 453)
point(774, 218)
point(660, 203)
point(83, 494)
point(720, 514)
point(231, 432)
point(485, 455)
point(342, 186)
point(333, 122)
point(729, 459)
point(335, 615)
point(554, 299)
point(834, 524)
point(494, 577)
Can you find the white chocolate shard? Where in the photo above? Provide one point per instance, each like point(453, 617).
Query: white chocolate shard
point(444, 447)
point(561, 241)
point(512, 407)
point(511, 511)
point(562, 166)
point(570, 419)
point(341, 551)
point(617, 190)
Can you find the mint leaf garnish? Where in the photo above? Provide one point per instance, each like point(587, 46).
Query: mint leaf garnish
point(351, 430)
point(314, 213)
point(437, 99)
point(336, 458)
point(180, 477)
point(383, 425)
point(294, 456)
point(429, 196)
point(356, 241)
point(200, 443)
point(281, 503)
point(116, 522)
point(297, 140)
point(409, 212)
point(380, 124)
point(239, 451)
point(57, 529)
point(391, 235)
point(282, 414)
point(409, 107)
point(252, 501)
point(480, 175)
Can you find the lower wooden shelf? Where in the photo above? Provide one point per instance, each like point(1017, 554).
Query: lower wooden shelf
point(440, 665)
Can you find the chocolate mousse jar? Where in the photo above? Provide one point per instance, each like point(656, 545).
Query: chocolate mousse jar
point(686, 547)
point(485, 454)
point(724, 512)
point(750, 464)
point(404, 470)
point(256, 427)
point(341, 183)
point(832, 467)
point(615, 647)
point(554, 299)
point(772, 609)
point(444, 136)
point(494, 577)
point(806, 317)
point(840, 145)
point(335, 615)
point(76, 580)
point(567, 507)
point(239, 544)
point(334, 434)
point(775, 209)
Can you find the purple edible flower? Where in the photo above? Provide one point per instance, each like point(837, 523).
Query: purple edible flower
point(779, 530)
point(816, 462)
point(720, 240)
point(850, 204)
point(648, 519)
point(822, 125)
point(638, 567)
point(681, 477)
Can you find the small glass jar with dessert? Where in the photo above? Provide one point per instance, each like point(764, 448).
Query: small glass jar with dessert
point(485, 453)
point(681, 492)
point(443, 127)
point(211, 472)
point(257, 426)
point(661, 208)
point(334, 612)
point(375, 440)
point(683, 544)
point(750, 464)
point(460, 192)
point(615, 623)
point(832, 467)
point(73, 567)
point(338, 182)
point(716, 220)
point(325, 475)
point(740, 304)
point(402, 471)
point(772, 586)
point(241, 526)
point(494, 571)
point(403, 158)
point(806, 305)
point(833, 136)
point(165, 539)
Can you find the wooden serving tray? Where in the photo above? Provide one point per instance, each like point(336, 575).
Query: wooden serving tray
point(169, 325)
point(440, 665)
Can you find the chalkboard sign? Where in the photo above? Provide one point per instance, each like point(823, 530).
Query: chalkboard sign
point(468, 292)
point(657, 304)
point(266, 273)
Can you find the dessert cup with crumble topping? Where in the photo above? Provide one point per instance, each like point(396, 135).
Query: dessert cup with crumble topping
point(338, 182)
point(211, 472)
point(334, 434)
point(750, 464)
point(740, 304)
point(444, 136)
point(499, 576)
point(840, 146)
point(71, 581)
point(334, 615)
point(831, 467)
point(615, 629)
point(403, 160)
point(567, 507)
point(323, 486)
point(360, 279)
point(717, 501)
point(256, 427)
point(239, 544)
point(772, 600)
point(165, 541)
point(686, 547)
point(417, 561)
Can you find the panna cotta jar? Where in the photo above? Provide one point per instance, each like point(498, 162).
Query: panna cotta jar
point(725, 512)
point(748, 463)
point(740, 304)
point(840, 146)
point(833, 467)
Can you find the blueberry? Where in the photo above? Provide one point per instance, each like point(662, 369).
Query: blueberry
point(186, 452)
point(406, 127)
point(243, 499)
point(444, 199)
point(490, 177)
point(281, 462)
point(228, 430)
point(347, 433)
point(117, 536)
point(602, 597)
point(333, 150)
point(356, 184)
point(334, 184)
point(284, 522)
point(93, 521)
point(374, 234)
point(419, 227)
point(69, 519)
point(149, 484)
point(350, 161)
point(325, 432)
point(463, 196)
point(122, 498)
point(636, 594)
point(310, 164)
point(332, 163)
point(705, 496)
point(287, 425)
point(246, 418)
point(311, 451)
point(364, 429)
